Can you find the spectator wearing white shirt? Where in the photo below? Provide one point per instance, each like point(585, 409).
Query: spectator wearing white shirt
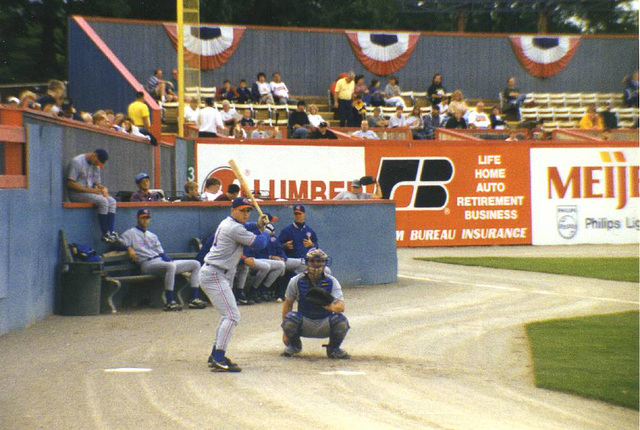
point(210, 121)
point(261, 90)
point(280, 91)
point(211, 189)
point(314, 118)
point(364, 132)
point(192, 111)
point(397, 119)
point(479, 118)
point(228, 114)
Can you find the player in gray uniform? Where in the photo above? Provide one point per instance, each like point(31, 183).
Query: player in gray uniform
point(218, 272)
point(145, 249)
point(356, 193)
point(84, 185)
point(312, 320)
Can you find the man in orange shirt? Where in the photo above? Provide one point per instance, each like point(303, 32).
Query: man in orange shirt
point(591, 120)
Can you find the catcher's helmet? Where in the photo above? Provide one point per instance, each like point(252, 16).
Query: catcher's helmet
point(316, 260)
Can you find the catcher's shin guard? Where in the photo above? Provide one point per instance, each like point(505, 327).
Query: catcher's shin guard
point(339, 327)
point(292, 327)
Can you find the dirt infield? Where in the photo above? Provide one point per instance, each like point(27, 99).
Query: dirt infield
point(443, 348)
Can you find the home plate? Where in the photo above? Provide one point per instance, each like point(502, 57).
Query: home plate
point(343, 372)
point(128, 370)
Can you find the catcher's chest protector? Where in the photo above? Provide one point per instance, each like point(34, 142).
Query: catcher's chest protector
point(306, 308)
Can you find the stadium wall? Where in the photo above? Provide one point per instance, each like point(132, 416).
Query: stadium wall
point(310, 59)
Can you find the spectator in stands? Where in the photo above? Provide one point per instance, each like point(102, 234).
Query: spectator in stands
point(609, 119)
point(130, 128)
point(86, 117)
point(415, 124)
point(48, 105)
point(229, 115)
point(260, 132)
point(376, 96)
point(436, 91)
point(246, 120)
point(84, 185)
point(237, 132)
point(28, 100)
point(377, 120)
point(173, 82)
point(631, 90)
point(138, 111)
point(100, 119)
point(192, 110)
point(244, 93)
point(392, 93)
point(280, 91)
point(397, 119)
point(314, 118)
point(343, 96)
point(299, 121)
point(226, 91)
point(364, 132)
point(513, 137)
point(210, 121)
point(143, 194)
point(211, 189)
point(591, 120)
point(191, 192)
point(13, 101)
point(431, 122)
point(68, 111)
point(233, 191)
point(332, 90)
point(261, 90)
point(361, 89)
point(457, 104)
point(512, 98)
point(56, 91)
point(496, 120)
point(355, 193)
point(456, 121)
point(359, 112)
point(444, 108)
point(478, 118)
point(157, 88)
point(323, 132)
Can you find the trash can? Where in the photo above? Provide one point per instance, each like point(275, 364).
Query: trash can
point(80, 288)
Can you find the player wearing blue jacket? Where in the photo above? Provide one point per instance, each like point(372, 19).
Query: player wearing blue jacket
point(297, 239)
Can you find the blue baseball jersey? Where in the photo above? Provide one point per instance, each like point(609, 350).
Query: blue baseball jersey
point(297, 233)
point(297, 290)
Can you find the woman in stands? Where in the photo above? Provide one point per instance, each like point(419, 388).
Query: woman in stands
point(392, 93)
point(361, 89)
point(313, 116)
point(436, 91)
point(415, 124)
point(376, 98)
point(458, 104)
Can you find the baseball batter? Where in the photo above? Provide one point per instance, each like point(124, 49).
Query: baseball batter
point(312, 320)
point(218, 271)
point(145, 249)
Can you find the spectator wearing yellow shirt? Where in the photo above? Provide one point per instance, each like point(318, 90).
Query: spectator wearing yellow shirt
point(139, 113)
point(342, 98)
point(591, 120)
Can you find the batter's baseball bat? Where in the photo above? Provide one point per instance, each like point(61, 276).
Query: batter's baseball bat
point(244, 184)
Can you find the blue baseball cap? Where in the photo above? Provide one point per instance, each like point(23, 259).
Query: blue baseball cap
point(298, 208)
point(141, 176)
point(241, 203)
point(272, 218)
point(144, 213)
point(102, 155)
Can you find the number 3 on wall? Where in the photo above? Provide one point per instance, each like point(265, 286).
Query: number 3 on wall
point(191, 174)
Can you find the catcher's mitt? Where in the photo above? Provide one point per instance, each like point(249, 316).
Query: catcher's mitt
point(367, 180)
point(319, 296)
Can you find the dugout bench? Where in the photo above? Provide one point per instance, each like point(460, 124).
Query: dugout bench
point(116, 268)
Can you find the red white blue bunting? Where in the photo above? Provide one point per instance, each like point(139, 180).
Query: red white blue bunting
point(544, 56)
point(207, 47)
point(382, 53)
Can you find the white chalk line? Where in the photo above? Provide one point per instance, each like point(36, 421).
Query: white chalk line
point(128, 370)
point(499, 287)
point(343, 372)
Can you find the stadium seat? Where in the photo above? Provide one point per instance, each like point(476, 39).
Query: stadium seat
point(567, 124)
point(545, 114)
point(587, 99)
point(561, 114)
point(541, 99)
point(576, 113)
point(604, 98)
point(550, 125)
point(556, 99)
point(625, 114)
point(528, 114)
point(572, 99)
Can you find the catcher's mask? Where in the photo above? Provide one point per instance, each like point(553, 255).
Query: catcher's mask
point(316, 260)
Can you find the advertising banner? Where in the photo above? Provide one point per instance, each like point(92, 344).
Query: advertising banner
point(585, 195)
point(456, 194)
point(290, 172)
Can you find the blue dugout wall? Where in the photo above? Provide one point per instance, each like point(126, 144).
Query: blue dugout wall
point(363, 249)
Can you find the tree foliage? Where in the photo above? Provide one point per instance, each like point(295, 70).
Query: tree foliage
point(33, 33)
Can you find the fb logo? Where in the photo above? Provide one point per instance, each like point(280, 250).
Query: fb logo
point(416, 183)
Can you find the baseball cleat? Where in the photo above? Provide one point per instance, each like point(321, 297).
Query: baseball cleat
point(337, 353)
point(290, 351)
point(224, 367)
point(172, 306)
point(226, 359)
point(108, 238)
point(197, 304)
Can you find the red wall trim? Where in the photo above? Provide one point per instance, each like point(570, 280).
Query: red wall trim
point(13, 181)
point(12, 133)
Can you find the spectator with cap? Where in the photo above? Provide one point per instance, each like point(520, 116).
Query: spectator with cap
point(299, 122)
point(211, 189)
point(323, 132)
point(191, 192)
point(143, 194)
point(355, 193)
point(364, 132)
point(84, 184)
point(297, 239)
point(233, 191)
point(145, 249)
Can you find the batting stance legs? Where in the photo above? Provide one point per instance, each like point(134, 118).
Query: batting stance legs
point(217, 286)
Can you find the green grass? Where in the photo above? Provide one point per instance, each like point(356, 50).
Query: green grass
point(613, 269)
point(595, 356)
